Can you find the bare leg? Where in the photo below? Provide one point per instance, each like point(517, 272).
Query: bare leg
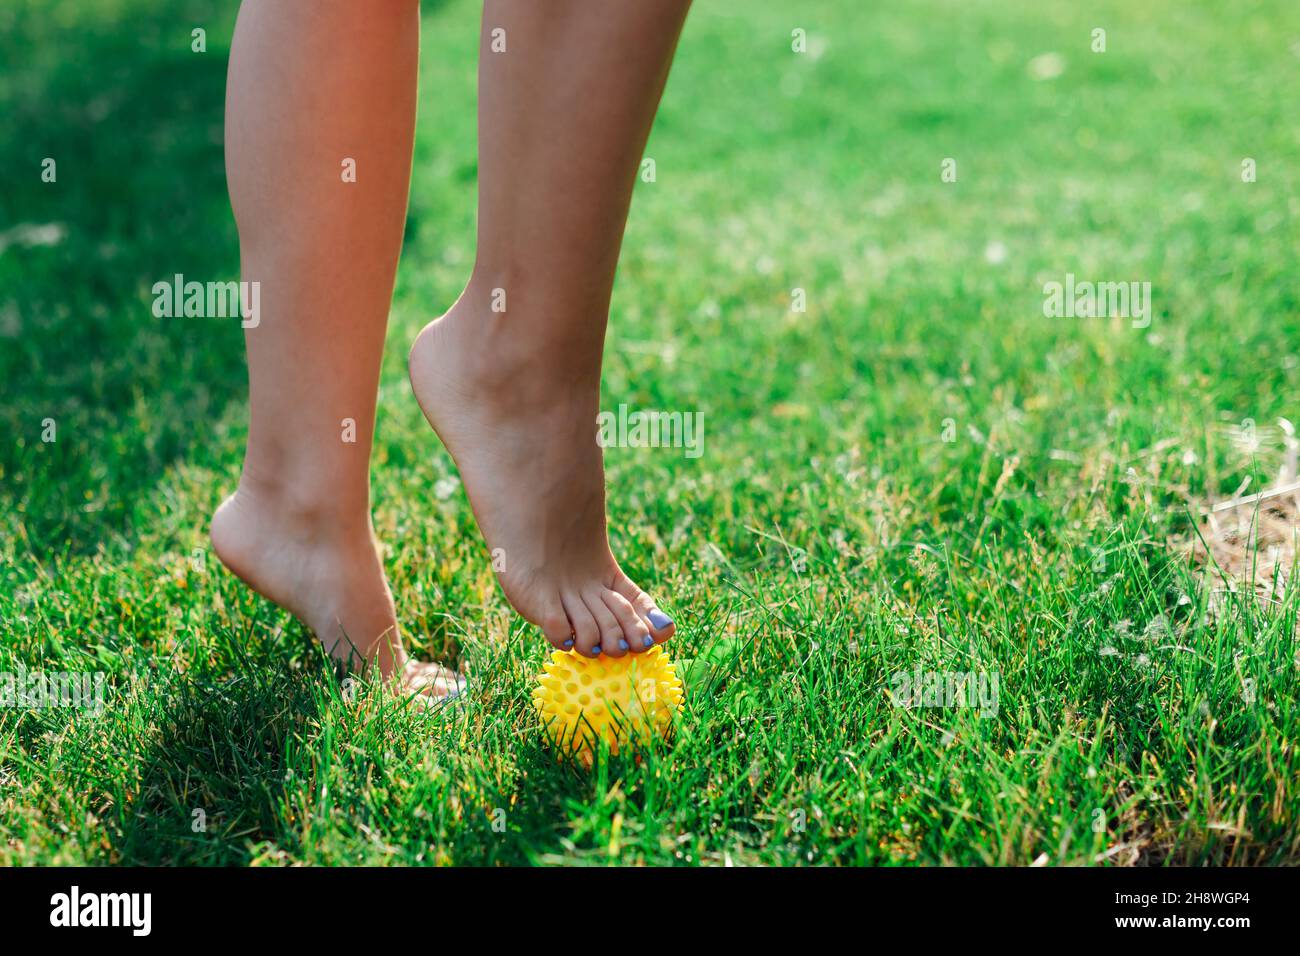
point(564, 114)
point(312, 85)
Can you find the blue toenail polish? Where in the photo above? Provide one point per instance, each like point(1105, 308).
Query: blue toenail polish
point(568, 643)
point(649, 641)
point(622, 645)
point(659, 619)
point(595, 651)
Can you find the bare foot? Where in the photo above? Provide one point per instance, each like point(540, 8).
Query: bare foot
point(331, 579)
point(522, 430)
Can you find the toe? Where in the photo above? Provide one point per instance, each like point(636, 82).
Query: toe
point(586, 633)
point(635, 630)
point(431, 680)
point(660, 624)
point(612, 641)
point(555, 625)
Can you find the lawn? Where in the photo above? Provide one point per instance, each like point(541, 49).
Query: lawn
point(908, 468)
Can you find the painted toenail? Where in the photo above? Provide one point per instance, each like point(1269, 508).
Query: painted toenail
point(622, 645)
point(648, 640)
point(568, 643)
point(659, 619)
point(595, 651)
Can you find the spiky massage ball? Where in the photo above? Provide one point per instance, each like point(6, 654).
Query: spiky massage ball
point(619, 699)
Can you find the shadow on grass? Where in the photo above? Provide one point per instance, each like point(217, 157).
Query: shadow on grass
point(215, 781)
point(132, 119)
point(239, 770)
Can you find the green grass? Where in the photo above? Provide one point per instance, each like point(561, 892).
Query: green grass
point(827, 539)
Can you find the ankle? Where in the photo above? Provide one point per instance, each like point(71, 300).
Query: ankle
point(526, 351)
point(305, 510)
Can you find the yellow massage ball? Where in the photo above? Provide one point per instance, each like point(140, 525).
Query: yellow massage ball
point(620, 699)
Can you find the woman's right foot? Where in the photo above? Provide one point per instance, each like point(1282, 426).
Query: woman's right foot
point(521, 426)
point(326, 574)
